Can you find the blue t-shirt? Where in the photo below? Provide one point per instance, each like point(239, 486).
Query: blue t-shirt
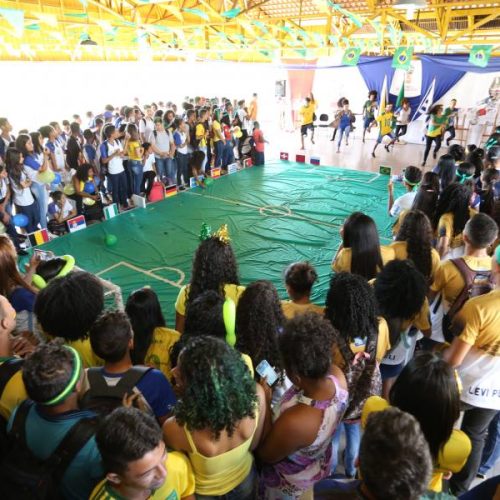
point(345, 120)
point(43, 435)
point(22, 299)
point(50, 146)
point(178, 139)
point(156, 390)
point(90, 152)
point(31, 162)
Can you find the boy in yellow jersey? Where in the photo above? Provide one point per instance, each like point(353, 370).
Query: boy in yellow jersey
point(385, 121)
point(306, 113)
point(136, 461)
point(475, 352)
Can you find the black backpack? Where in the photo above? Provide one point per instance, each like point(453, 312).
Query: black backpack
point(24, 476)
point(103, 398)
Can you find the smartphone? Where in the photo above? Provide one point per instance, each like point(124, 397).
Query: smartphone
point(383, 170)
point(43, 255)
point(264, 369)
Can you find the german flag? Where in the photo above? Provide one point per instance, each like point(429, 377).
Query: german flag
point(39, 237)
point(170, 191)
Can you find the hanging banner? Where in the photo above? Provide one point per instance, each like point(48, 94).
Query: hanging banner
point(402, 58)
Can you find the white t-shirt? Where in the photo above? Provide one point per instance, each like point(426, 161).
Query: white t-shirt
point(162, 141)
point(148, 164)
point(115, 165)
point(54, 209)
point(182, 139)
point(403, 116)
point(22, 196)
point(146, 127)
point(4, 186)
point(404, 202)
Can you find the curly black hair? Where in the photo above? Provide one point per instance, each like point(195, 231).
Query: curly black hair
point(214, 265)
point(351, 306)
point(259, 319)
point(455, 199)
point(300, 278)
point(457, 152)
point(218, 388)
point(204, 315)
point(416, 230)
point(306, 346)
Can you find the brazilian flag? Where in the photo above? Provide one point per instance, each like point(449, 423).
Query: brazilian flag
point(351, 57)
point(480, 55)
point(402, 58)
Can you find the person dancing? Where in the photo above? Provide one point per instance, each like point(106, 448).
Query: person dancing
point(435, 129)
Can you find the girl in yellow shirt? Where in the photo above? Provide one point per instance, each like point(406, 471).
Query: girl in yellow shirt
point(135, 152)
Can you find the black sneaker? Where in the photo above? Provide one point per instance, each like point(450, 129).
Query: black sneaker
point(386, 147)
point(373, 154)
point(434, 155)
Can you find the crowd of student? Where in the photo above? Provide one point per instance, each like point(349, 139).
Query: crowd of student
point(246, 395)
point(52, 174)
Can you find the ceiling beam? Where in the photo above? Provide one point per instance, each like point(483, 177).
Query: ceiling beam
point(476, 25)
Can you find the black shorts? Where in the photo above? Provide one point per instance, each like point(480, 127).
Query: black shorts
point(304, 128)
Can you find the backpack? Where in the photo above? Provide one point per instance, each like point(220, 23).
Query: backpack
point(103, 398)
point(24, 476)
point(476, 283)
point(362, 374)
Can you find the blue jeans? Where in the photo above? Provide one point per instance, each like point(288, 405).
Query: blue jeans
point(246, 490)
point(161, 168)
point(228, 154)
point(119, 188)
point(342, 131)
point(218, 149)
point(353, 440)
point(42, 200)
point(491, 450)
point(136, 168)
point(182, 168)
point(33, 214)
point(171, 170)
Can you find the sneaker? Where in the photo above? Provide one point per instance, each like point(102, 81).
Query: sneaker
point(423, 164)
point(21, 252)
point(386, 148)
point(373, 154)
point(181, 188)
point(434, 155)
point(481, 476)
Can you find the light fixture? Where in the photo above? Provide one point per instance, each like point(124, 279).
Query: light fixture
point(410, 6)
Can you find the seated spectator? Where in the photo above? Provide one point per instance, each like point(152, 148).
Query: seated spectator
point(60, 211)
point(152, 338)
point(13, 391)
point(218, 420)
point(360, 251)
point(52, 376)
point(299, 280)
point(18, 289)
point(479, 233)
point(136, 462)
point(446, 168)
point(214, 268)
point(426, 382)
point(352, 310)
point(68, 307)
point(87, 197)
point(297, 446)
point(394, 462)
point(5, 217)
point(112, 339)
point(475, 352)
point(411, 179)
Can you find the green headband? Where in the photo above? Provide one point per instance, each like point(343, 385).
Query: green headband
point(463, 177)
point(411, 183)
point(40, 283)
point(75, 376)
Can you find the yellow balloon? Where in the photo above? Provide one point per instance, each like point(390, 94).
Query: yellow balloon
point(88, 201)
point(46, 177)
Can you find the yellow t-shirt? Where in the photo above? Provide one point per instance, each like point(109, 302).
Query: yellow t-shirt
point(421, 321)
point(343, 260)
point(14, 393)
point(397, 225)
point(448, 279)
point(200, 135)
point(216, 128)
point(158, 355)
point(231, 291)
point(307, 113)
point(84, 349)
point(178, 484)
point(383, 345)
point(445, 228)
point(291, 309)
point(385, 122)
point(401, 252)
point(452, 456)
point(131, 150)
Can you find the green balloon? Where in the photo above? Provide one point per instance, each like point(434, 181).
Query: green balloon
point(209, 181)
point(110, 240)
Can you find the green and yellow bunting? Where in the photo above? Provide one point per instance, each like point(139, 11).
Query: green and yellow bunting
point(480, 55)
point(351, 56)
point(402, 58)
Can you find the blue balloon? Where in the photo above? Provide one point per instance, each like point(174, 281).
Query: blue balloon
point(57, 179)
point(20, 220)
point(89, 188)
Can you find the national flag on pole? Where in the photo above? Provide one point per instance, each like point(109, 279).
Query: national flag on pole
point(402, 58)
point(479, 55)
point(383, 97)
point(351, 56)
point(111, 211)
point(76, 224)
point(401, 95)
point(215, 172)
point(39, 237)
point(170, 191)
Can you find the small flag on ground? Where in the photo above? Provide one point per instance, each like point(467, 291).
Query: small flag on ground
point(315, 160)
point(284, 156)
point(39, 237)
point(110, 211)
point(402, 58)
point(480, 55)
point(139, 201)
point(170, 191)
point(351, 56)
point(76, 224)
point(232, 169)
point(215, 172)
point(300, 158)
point(247, 162)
